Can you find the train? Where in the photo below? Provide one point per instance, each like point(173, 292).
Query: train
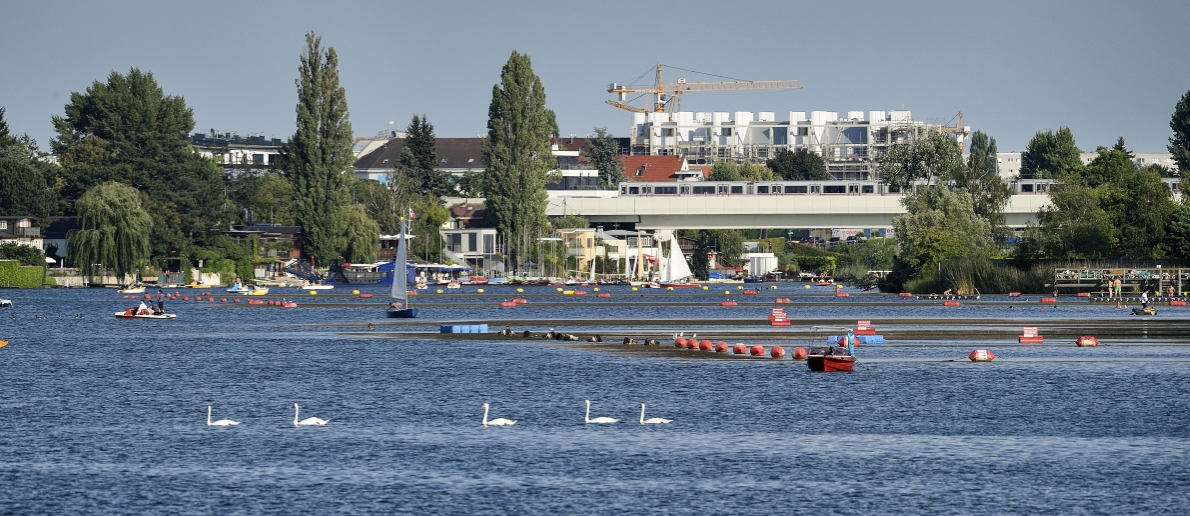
point(834, 187)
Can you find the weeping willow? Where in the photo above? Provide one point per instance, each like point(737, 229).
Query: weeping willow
point(114, 230)
point(363, 236)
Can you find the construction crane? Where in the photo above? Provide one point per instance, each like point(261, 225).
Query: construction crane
point(668, 97)
point(958, 129)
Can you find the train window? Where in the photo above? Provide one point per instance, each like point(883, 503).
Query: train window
point(775, 189)
point(795, 189)
point(646, 190)
point(868, 189)
point(704, 190)
point(834, 189)
point(685, 189)
point(815, 188)
point(722, 189)
point(632, 190)
point(1027, 187)
point(737, 189)
point(666, 190)
point(762, 189)
point(852, 189)
point(623, 189)
point(1041, 187)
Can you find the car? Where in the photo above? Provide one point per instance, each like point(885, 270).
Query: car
point(834, 240)
point(853, 239)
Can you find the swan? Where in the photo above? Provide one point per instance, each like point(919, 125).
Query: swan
point(495, 422)
point(598, 419)
point(652, 420)
point(310, 421)
point(221, 422)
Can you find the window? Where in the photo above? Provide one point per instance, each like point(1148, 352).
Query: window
point(868, 189)
point(762, 189)
point(443, 161)
point(726, 131)
point(722, 189)
point(1027, 187)
point(704, 190)
point(795, 189)
point(470, 160)
point(667, 132)
point(737, 189)
point(834, 189)
point(632, 190)
point(803, 131)
point(666, 190)
point(815, 188)
point(640, 171)
point(3, 224)
point(385, 162)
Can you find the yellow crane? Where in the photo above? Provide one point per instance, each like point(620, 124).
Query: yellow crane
point(669, 96)
point(960, 131)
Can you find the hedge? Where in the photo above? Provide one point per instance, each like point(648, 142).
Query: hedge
point(12, 274)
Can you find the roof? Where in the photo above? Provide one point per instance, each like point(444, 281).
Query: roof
point(453, 153)
point(471, 213)
point(655, 168)
point(570, 143)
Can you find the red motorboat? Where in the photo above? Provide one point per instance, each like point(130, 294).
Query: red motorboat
point(830, 363)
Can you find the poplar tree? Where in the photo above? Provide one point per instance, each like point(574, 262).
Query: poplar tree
point(1179, 143)
point(517, 155)
point(421, 160)
point(318, 158)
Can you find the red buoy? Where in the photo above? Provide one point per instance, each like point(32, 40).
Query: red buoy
point(905, 294)
point(982, 355)
point(757, 350)
point(210, 300)
point(1086, 341)
point(749, 292)
point(680, 342)
point(950, 302)
point(782, 300)
point(721, 347)
point(603, 295)
point(1049, 300)
point(777, 352)
point(508, 304)
point(237, 300)
point(799, 353)
point(365, 296)
point(223, 300)
point(520, 300)
point(842, 294)
point(691, 343)
point(705, 345)
point(185, 298)
point(739, 348)
point(728, 303)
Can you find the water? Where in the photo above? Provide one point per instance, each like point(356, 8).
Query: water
point(105, 416)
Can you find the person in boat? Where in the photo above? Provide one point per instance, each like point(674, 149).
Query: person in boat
point(142, 309)
point(1144, 299)
point(160, 301)
point(395, 305)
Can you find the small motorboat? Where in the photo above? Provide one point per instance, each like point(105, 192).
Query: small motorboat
point(132, 289)
point(1144, 311)
point(249, 290)
point(133, 313)
point(5, 302)
point(830, 363)
point(314, 286)
point(453, 284)
point(3, 343)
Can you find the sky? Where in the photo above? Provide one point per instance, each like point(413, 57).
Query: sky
point(1013, 68)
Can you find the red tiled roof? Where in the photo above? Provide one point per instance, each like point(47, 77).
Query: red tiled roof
point(652, 168)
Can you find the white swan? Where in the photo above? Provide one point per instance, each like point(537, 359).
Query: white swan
point(495, 422)
point(599, 420)
point(310, 421)
point(221, 422)
point(652, 420)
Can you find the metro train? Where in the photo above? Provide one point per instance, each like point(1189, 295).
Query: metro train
point(834, 187)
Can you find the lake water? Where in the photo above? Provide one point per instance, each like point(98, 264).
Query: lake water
point(99, 415)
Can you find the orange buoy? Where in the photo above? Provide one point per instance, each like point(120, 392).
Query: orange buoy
point(739, 348)
point(982, 355)
point(777, 352)
point(1086, 341)
point(905, 294)
point(237, 300)
point(507, 304)
point(799, 353)
point(705, 345)
point(728, 303)
point(721, 347)
point(1049, 300)
point(223, 300)
point(950, 302)
point(757, 350)
point(680, 342)
point(842, 294)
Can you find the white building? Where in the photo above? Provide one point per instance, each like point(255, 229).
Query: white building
point(1010, 162)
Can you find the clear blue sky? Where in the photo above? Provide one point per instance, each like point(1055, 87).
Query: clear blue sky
point(1106, 69)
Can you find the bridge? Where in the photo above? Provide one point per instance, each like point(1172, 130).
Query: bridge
point(755, 211)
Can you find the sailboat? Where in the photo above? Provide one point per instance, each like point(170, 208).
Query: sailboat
point(399, 309)
point(675, 272)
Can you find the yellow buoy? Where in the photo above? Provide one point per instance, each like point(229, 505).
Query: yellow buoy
point(559, 289)
point(597, 289)
point(774, 287)
point(728, 292)
point(807, 286)
point(634, 289)
point(706, 288)
point(479, 291)
point(739, 287)
point(356, 292)
point(567, 292)
point(669, 288)
point(519, 290)
point(313, 292)
point(439, 291)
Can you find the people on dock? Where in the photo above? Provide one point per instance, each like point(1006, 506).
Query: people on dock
point(1144, 299)
point(1118, 285)
point(1170, 290)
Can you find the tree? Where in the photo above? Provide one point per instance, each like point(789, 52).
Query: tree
point(1119, 146)
point(1050, 154)
point(362, 236)
point(1177, 233)
point(983, 152)
point(421, 160)
point(24, 176)
point(517, 155)
point(570, 222)
point(114, 230)
point(1179, 143)
point(23, 254)
point(428, 217)
point(799, 165)
point(128, 130)
point(934, 157)
point(939, 225)
point(1074, 225)
point(732, 171)
point(266, 192)
point(604, 153)
point(6, 138)
point(318, 159)
point(981, 179)
point(727, 243)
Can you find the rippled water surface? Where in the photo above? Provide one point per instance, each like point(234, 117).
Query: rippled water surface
point(105, 416)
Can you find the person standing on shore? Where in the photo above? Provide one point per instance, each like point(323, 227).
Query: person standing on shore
point(1144, 299)
point(1119, 287)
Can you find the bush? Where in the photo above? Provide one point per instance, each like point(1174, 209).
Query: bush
point(22, 253)
point(986, 277)
point(12, 274)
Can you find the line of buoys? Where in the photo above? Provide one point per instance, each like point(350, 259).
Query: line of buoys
point(1177, 302)
point(981, 355)
point(1086, 341)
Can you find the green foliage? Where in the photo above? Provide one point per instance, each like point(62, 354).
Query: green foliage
point(22, 253)
point(940, 225)
point(981, 179)
point(802, 164)
point(363, 236)
point(1177, 233)
point(6, 138)
point(266, 192)
point(570, 222)
point(1074, 225)
point(429, 216)
point(733, 171)
point(318, 159)
point(114, 230)
point(470, 184)
point(728, 243)
point(517, 156)
point(24, 189)
point(604, 153)
point(934, 157)
point(419, 158)
point(13, 275)
point(129, 131)
point(1050, 155)
point(983, 153)
point(972, 275)
point(1179, 123)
